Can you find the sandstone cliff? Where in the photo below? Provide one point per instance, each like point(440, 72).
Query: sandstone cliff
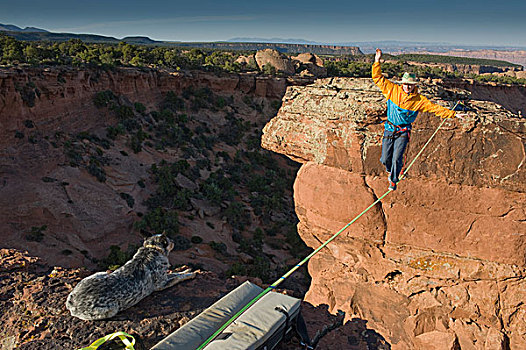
point(61, 99)
point(70, 191)
point(39, 107)
point(440, 264)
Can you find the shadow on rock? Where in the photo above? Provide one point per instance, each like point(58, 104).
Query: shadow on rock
point(329, 332)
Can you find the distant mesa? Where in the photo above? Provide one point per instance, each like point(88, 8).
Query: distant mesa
point(283, 45)
point(139, 40)
point(274, 41)
point(513, 56)
point(13, 28)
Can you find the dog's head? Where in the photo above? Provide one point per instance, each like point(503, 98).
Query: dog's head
point(160, 242)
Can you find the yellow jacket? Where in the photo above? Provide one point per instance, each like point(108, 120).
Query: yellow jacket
point(403, 108)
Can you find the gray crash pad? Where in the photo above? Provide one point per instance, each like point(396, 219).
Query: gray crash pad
point(263, 323)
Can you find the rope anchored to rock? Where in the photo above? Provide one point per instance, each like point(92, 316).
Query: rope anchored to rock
point(129, 345)
point(301, 263)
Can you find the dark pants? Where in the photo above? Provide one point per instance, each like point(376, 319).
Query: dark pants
point(393, 148)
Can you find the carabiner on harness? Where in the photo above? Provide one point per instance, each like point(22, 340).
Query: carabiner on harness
point(399, 130)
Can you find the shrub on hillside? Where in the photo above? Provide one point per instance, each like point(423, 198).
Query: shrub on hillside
point(103, 98)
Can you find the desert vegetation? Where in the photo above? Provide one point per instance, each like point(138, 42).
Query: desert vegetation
point(107, 56)
point(223, 163)
point(454, 60)
point(360, 67)
point(75, 52)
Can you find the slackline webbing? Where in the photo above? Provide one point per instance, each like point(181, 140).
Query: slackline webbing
point(129, 345)
point(291, 271)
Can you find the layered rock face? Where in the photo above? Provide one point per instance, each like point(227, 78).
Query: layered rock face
point(61, 99)
point(61, 213)
point(440, 263)
point(513, 98)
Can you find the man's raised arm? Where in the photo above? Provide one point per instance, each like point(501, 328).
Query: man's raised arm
point(384, 84)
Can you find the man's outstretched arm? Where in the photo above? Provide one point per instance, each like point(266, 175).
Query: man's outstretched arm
point(428, 106)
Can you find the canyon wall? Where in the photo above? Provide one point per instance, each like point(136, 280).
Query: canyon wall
point(59, 214)
point(61, 99)
point(42, 195)
point(513, 98)
point(440, 263)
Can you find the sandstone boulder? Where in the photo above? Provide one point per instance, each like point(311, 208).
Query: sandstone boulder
point(276, 59)
point(185, 182)
point(243, 60)
point(309, 58)
point(246, 60)
point(312, 65)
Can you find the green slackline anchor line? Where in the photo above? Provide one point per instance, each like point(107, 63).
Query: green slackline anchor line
point(291, 271)
point(129, 345)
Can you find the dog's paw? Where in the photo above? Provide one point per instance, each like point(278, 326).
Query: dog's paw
point(187, 274)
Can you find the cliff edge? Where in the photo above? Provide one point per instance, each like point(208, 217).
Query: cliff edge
point(440, 263)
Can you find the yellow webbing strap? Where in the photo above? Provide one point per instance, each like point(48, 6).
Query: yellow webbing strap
point(121, 335)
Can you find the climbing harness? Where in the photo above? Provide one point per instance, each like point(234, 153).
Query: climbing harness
point(399, 130)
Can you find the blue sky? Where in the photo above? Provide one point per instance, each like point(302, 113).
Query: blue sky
point(482, 22)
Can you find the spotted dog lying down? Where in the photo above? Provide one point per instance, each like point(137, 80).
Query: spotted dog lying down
point(103, 295)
